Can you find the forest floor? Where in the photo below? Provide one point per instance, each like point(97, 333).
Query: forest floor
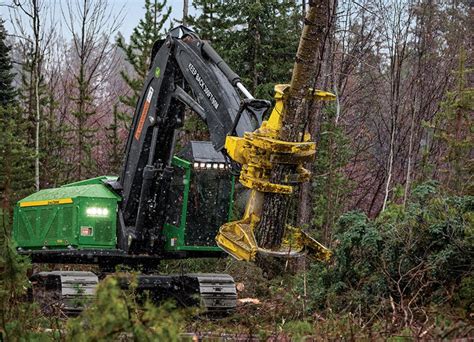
point(277, 310)
point(267, 310)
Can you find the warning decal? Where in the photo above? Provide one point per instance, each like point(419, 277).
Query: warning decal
point(144, 113)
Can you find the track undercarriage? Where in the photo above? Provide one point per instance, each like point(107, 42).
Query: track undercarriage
point(68, 292)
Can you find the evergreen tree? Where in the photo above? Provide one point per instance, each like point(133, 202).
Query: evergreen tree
point(116, 147)
point(15, 157)
point(7, 91)
point(454, 129)
point(210, 24)
point(138, 52)
point(86, 135)
point(54, 143)
point(14, 310)
point(258, 39)
point(330, 185)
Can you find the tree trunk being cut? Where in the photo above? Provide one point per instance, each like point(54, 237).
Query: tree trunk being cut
point(269, 232)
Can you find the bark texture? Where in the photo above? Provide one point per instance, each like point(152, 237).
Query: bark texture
point(270, 231)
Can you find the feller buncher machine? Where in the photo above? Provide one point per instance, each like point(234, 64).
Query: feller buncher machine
point(168, 205)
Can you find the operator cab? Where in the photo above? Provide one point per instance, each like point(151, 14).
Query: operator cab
point(200, 198)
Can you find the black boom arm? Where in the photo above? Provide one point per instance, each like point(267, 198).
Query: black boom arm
point(185, 72)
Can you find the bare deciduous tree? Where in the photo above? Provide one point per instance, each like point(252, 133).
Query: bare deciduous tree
point(92, 25)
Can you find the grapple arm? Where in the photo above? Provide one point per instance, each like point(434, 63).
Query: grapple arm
point(259, 152)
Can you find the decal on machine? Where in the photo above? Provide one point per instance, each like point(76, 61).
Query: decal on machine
point(46, 202)
point(87, 231)
point(204, 87)
point(144, 113)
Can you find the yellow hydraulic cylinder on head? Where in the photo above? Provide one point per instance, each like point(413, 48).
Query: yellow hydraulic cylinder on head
point(258, 152)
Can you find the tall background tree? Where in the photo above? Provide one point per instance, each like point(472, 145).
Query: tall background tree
point(134, 59)
point(138, 50)
point(16, 168)
point(258, 39)
point(36, 35)
point(454, 127)
point(92, 25)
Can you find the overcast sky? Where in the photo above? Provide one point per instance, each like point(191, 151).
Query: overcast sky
point(133, 11)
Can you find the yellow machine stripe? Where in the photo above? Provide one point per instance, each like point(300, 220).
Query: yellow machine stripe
point(46, 202)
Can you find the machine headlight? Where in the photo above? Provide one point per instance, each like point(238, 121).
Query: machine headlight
point(97, 212)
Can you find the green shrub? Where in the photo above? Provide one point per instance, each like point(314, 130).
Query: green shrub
point(116, 314)
point(405, 259)
point(298, 330)
point(19, 319)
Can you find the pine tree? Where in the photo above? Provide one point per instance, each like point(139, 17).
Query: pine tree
point(14, 310)
point(258, 39)
point(16, 165)
point(7, 92)
point(16, 180)
point(54, 142)
point(86, 135)
point(454, 129)
point(211, 23)
point(113, 135)
point(138, 52)
point(330, 185)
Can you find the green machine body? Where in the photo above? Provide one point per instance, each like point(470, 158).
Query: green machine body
point(83, 215)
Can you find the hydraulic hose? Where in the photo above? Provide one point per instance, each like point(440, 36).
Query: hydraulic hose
point(221, 64)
